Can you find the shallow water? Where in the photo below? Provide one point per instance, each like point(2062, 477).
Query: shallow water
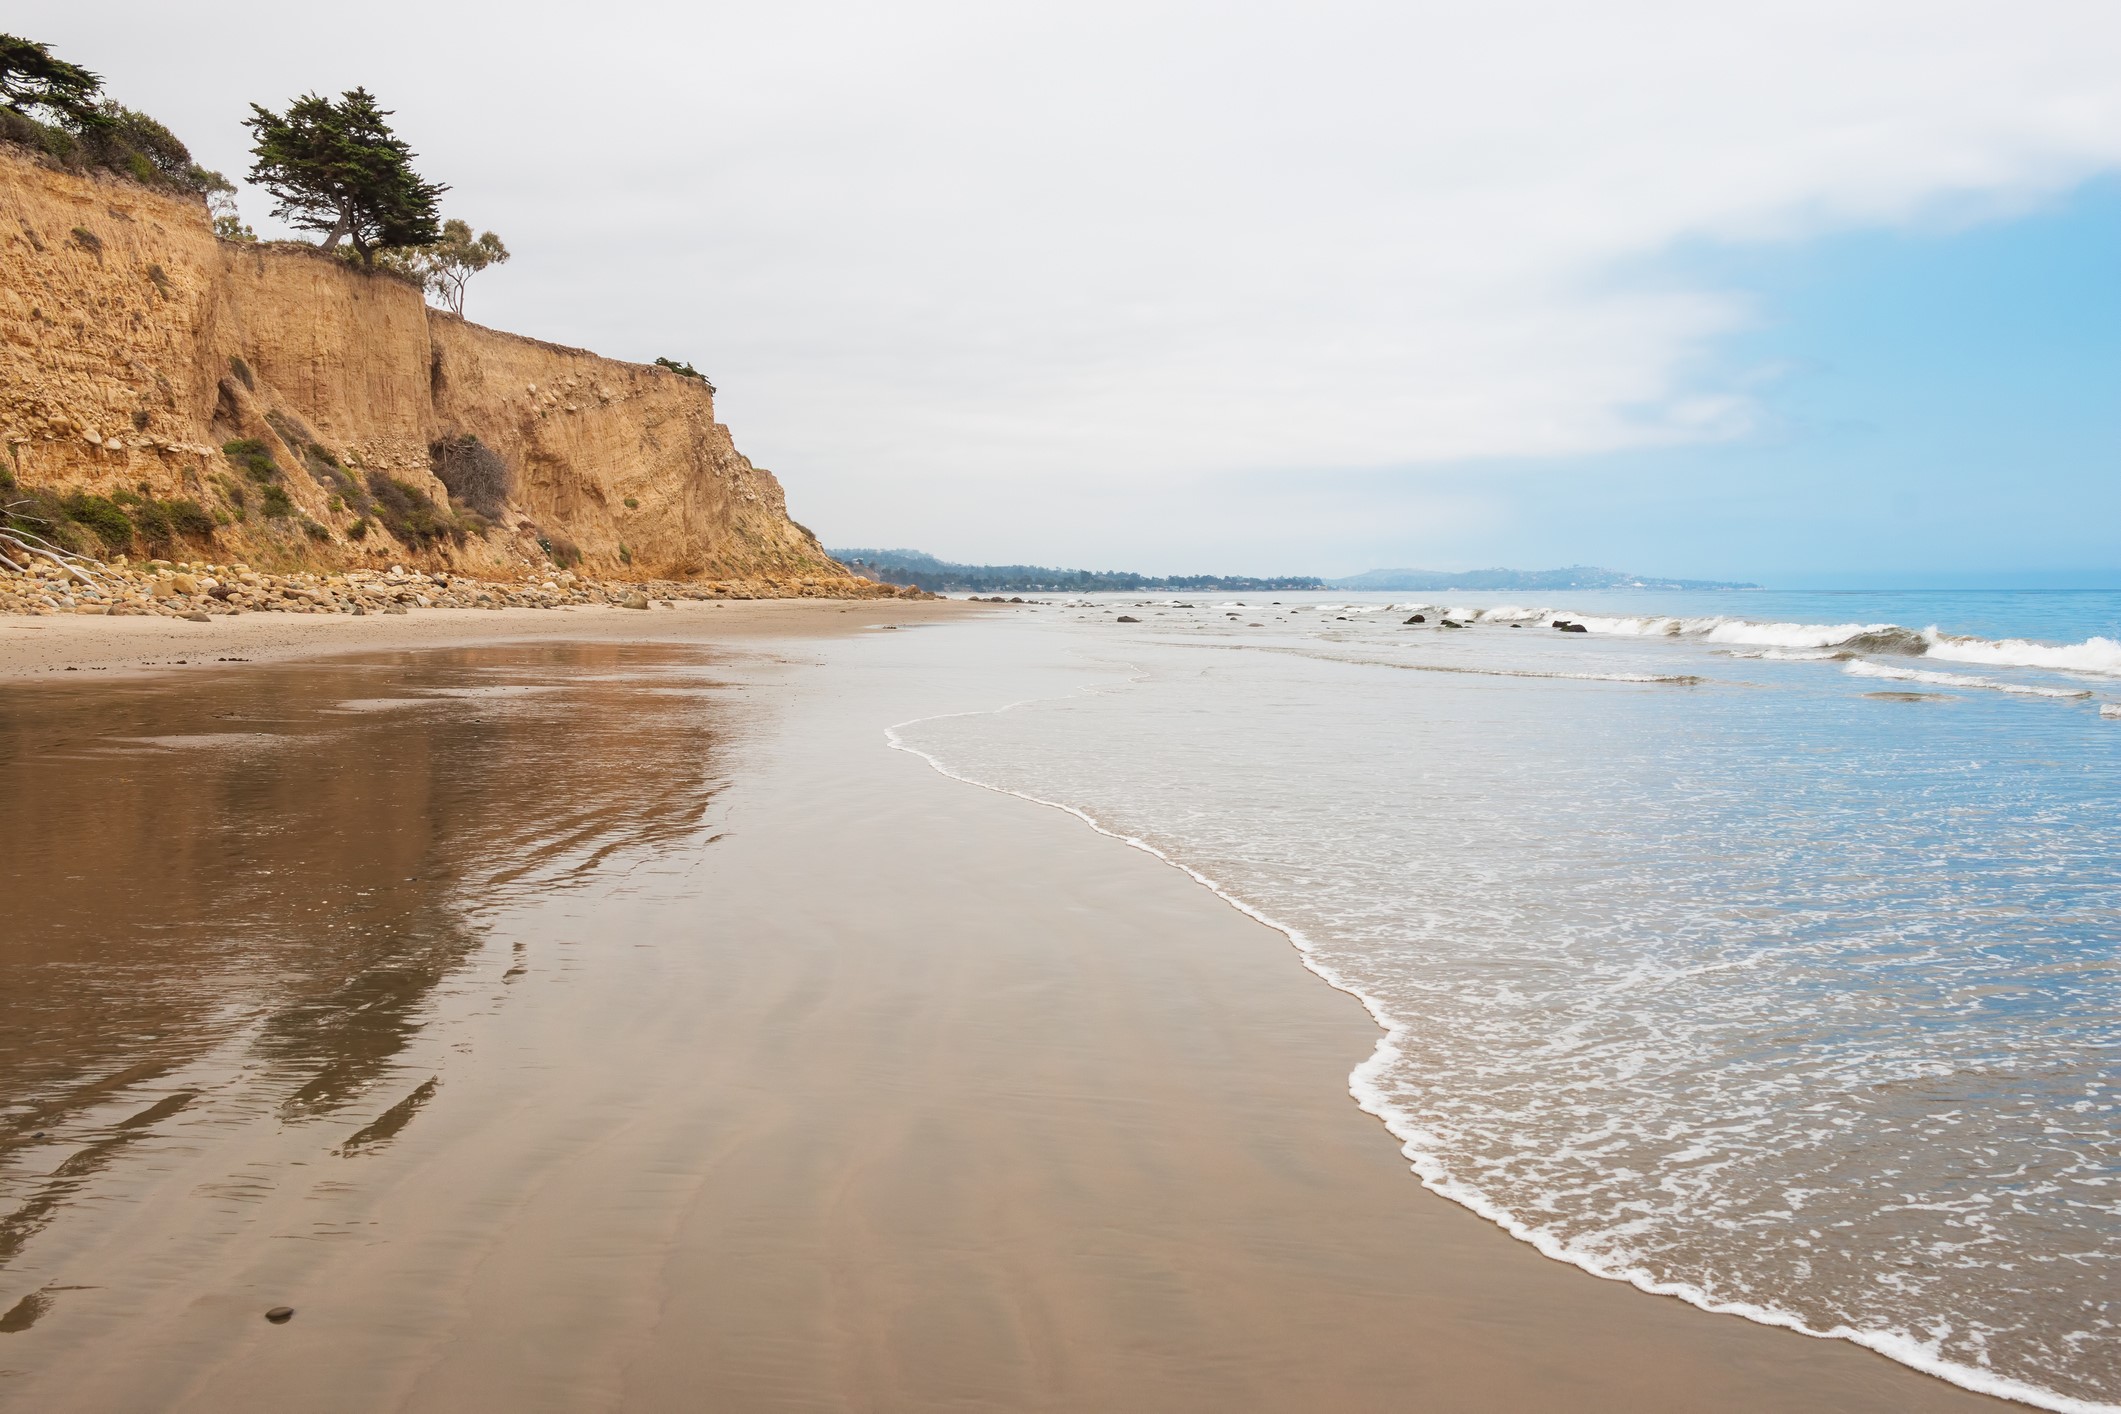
point(251, 901)
point(1731, 960)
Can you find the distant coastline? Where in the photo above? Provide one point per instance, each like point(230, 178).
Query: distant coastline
point(925, 571)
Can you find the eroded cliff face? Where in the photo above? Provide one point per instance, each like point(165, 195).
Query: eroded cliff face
point(134, 345)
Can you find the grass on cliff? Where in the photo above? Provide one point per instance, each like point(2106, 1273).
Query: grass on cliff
point(88, 524)
point(411, 514)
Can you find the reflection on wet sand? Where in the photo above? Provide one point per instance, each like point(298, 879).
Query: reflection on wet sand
point(232, 899)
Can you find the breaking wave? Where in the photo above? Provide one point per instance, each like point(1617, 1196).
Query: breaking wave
point(2100, 657)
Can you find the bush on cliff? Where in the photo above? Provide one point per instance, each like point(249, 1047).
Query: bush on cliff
point(685, 370)
point(474, 474)
point(410, 513)
point(253, 459)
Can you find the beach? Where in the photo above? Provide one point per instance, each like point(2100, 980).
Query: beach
point(662, 1039)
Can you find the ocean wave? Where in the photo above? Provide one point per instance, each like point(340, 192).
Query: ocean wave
point(2096, 656)
point(1859, 668)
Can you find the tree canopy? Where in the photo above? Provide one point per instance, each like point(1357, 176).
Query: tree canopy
point(337, 167)
point(444, 267)
point(31, 78)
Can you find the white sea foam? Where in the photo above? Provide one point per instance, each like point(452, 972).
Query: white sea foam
point(2099, 656)
point(1864, 669)
point(1567, 1072)
point(2094, 655)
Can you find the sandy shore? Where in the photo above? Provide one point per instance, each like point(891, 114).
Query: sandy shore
point(876, 1092)
point(33, 647)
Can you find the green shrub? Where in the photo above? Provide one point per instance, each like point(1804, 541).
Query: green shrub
point(102, 517)
point(276, 504)
point(625, 555)
point(409, 513)
point(250, 455)
point(188, 517)
point(358, 530)
point(314, 531)
point(632, 505)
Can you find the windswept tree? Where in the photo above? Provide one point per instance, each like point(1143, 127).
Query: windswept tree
point(445, 267)
point(31, 78)
point(339, 169)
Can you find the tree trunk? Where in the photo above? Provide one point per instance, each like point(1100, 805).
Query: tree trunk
point(340, 231)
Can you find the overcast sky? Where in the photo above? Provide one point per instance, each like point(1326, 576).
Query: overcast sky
point(1809, 290)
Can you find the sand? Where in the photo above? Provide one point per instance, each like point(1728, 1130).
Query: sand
point(875, 1092)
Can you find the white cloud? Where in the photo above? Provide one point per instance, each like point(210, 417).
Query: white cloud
point(966, 272)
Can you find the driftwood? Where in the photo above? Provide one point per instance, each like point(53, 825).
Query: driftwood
point(30, 545)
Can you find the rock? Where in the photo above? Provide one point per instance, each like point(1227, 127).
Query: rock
point(199, 616)
point(1128, 619)
point(280, 1315)
point(1452, 623)
point(1419, 619)
point(634, 601)
point(1565, 626)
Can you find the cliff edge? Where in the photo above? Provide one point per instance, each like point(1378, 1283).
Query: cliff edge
point(135, 346)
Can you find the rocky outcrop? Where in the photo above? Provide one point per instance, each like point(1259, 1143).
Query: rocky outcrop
point(135, 345)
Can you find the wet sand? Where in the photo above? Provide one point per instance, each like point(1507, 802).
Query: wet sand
point(623, 1026)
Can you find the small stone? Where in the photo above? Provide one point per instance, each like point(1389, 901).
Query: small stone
point(1127, 619)
point(280, 1315)
point(635, 601)
point(199, 616)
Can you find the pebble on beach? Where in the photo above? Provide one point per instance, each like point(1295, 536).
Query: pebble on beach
point(201, 592)
point(280, 1315)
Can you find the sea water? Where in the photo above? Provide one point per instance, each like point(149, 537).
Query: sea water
point(1760, 949)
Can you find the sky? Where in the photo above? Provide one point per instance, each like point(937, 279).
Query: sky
point(1794, 292)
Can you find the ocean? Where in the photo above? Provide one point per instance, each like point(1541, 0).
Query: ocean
point(1761, 949)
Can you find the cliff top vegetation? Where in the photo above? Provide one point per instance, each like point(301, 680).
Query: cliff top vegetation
point(59, 110)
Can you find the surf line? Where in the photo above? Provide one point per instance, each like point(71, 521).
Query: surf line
point(1366, 1088)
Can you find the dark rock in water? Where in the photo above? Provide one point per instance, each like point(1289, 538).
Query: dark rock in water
point(280, 1315)
point(1419, 619)
point(1452, 623)
point(1017, 599)
point(1564, 626)
point(1128, 619)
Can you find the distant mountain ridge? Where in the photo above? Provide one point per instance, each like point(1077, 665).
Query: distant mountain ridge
point(1573, 577)
point(925, 571)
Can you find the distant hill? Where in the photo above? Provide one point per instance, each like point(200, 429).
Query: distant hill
point(1574, 577)
point(925, 571)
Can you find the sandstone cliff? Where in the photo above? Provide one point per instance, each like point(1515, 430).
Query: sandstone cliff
point(134, 345)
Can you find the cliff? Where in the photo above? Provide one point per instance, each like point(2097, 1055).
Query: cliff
point(135, 346)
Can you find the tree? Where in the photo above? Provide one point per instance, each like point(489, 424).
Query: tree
point(220, 194)
point(31, 78)
point(338, 168)
point(446, 266)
